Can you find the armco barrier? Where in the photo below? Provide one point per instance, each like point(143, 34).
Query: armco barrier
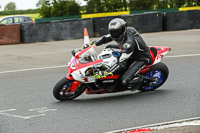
point(195, 17)
point(151, 22)
point(181, 20)
point(100, 25)
point(177, 21)
point(10, 34)
point(156, 11)
point(38, 20)
point(55, 31)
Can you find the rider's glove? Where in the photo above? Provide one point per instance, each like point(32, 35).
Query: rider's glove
point(103, 74)
point(89, 45)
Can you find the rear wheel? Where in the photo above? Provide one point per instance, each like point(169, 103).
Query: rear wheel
point(160, 73)
point(62, 90)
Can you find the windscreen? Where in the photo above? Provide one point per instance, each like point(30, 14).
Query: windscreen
point(88, 56)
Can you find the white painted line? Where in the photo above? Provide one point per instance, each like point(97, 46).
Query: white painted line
point(2, 111)
point(32, 69)
point(11, 115)
point(22, 117)
point(60, 66)
point(38, 110)
point(42, 109)
point(156, 126)
point(32, 116)
point(176, 56)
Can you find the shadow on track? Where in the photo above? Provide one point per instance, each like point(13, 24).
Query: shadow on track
point(122, 96)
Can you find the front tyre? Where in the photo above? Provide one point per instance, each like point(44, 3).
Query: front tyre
point(159, 72)
point(62, 90)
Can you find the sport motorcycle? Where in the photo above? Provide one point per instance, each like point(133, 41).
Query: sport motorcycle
point(84, 64)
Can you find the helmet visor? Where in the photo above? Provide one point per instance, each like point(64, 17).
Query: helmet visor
point(116, 33)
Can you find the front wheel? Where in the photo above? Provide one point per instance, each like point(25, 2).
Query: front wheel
point(159, 72)
point(62, 90)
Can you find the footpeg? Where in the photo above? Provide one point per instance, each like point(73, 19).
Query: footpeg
point(154, 83)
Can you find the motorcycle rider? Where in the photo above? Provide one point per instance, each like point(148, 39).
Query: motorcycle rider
point(135, 54)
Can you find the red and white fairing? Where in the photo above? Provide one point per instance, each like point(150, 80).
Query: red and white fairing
point(81, 63)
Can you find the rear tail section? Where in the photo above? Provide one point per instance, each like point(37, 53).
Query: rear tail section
point(162, 49)
point(160, 53)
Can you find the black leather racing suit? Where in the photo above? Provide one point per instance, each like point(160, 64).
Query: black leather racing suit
point(135, 54)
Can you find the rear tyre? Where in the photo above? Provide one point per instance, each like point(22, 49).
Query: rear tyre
point(62, 90)
point(160, 72)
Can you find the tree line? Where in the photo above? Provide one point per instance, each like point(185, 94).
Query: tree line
point(14, 12)
point(55, 8)
point(97, 6)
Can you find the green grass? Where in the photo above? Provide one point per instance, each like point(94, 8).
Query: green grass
point(33, 16)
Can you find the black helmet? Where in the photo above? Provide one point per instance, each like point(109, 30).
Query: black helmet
point(117, 29)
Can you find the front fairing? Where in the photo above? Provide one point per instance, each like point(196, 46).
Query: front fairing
point(82, 59)
point(81, 62)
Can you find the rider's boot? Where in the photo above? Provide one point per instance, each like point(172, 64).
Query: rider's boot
point(150, 81)
point(133, 84)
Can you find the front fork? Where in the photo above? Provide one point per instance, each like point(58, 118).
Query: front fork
point(75, 84)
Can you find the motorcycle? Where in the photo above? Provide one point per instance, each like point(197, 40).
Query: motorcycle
point(84, 64)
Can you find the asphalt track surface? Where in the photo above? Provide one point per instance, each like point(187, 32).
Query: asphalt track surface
point(28, 73)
